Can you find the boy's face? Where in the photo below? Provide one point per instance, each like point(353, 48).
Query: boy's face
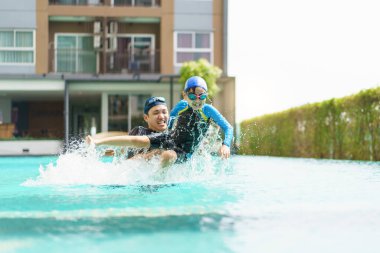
point(157, 118)
point(198, 103)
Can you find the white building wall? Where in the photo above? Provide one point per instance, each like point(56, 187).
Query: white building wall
point(193, 15)
point(18, 14)
point(30, 147)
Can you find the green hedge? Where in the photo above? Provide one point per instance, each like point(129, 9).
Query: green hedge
point(344, 128)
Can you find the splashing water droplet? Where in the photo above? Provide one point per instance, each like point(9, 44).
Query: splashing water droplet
point(86, 165)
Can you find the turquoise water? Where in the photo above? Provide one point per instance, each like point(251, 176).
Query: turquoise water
point(74, 203)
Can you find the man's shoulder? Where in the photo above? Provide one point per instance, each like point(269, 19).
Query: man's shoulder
point(140, 130)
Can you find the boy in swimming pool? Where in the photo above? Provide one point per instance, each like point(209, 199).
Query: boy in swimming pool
point(190, 120)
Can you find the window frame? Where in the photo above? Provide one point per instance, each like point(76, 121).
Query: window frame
point(193, 49)
point(20, 49)
point(133, 36)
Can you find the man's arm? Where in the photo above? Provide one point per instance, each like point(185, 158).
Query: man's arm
point(128, 141)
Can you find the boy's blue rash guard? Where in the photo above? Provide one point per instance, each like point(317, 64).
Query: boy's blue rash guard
point(210, 112)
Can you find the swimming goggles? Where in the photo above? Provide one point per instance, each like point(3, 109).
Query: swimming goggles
point(155, 99)
point(193, 96)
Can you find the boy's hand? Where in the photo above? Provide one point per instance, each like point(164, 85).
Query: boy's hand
point(224, 152)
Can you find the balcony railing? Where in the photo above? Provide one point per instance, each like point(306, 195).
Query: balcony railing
point(93, 62)
point(145, 3)
point(133, 63)
point(139, 3)
point(76, 2)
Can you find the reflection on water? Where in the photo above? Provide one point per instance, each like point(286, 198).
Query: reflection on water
point(112, 225)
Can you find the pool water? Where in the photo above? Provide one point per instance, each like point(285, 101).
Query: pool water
point(73, 203)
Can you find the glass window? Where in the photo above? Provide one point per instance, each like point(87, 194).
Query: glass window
point(65, 54)
point(192, 46)
point(69, 2)
point(202, 40)
point(143, 40)
point(136, 2)
point(75, 54)
point(143, 2)
point(24, 39)
point(184, 40)
point(126, 112)
point(118, 112)
point(138, 103)
point(184, 57)
point(122, 2)
point(6, 39)
point(16, 57)
point(17, 47)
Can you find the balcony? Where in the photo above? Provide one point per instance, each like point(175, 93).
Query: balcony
point(133, 63)
point(93, 62)
point(130, 3)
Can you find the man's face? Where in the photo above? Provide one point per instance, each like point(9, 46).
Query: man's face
point(157, 118)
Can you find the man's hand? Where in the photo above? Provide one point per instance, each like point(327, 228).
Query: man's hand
point(90, 140)
point(224, 152)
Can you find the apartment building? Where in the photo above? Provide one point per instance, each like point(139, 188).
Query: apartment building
point(72, 67)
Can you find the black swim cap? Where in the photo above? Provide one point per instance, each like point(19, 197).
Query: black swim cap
point(153, 101)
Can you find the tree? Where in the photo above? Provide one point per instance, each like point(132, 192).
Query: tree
point(203, 69)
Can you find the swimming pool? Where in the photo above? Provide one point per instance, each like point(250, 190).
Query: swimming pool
point(249, 204)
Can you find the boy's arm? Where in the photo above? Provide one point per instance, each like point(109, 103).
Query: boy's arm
point(175, 111)
point(213, 113)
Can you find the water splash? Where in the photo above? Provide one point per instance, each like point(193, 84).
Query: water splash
point(84, 165)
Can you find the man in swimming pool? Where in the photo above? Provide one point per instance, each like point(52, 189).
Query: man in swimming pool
point(156, 115)
point(192, 118)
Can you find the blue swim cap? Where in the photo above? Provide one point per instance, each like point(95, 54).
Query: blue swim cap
point(194, 82)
